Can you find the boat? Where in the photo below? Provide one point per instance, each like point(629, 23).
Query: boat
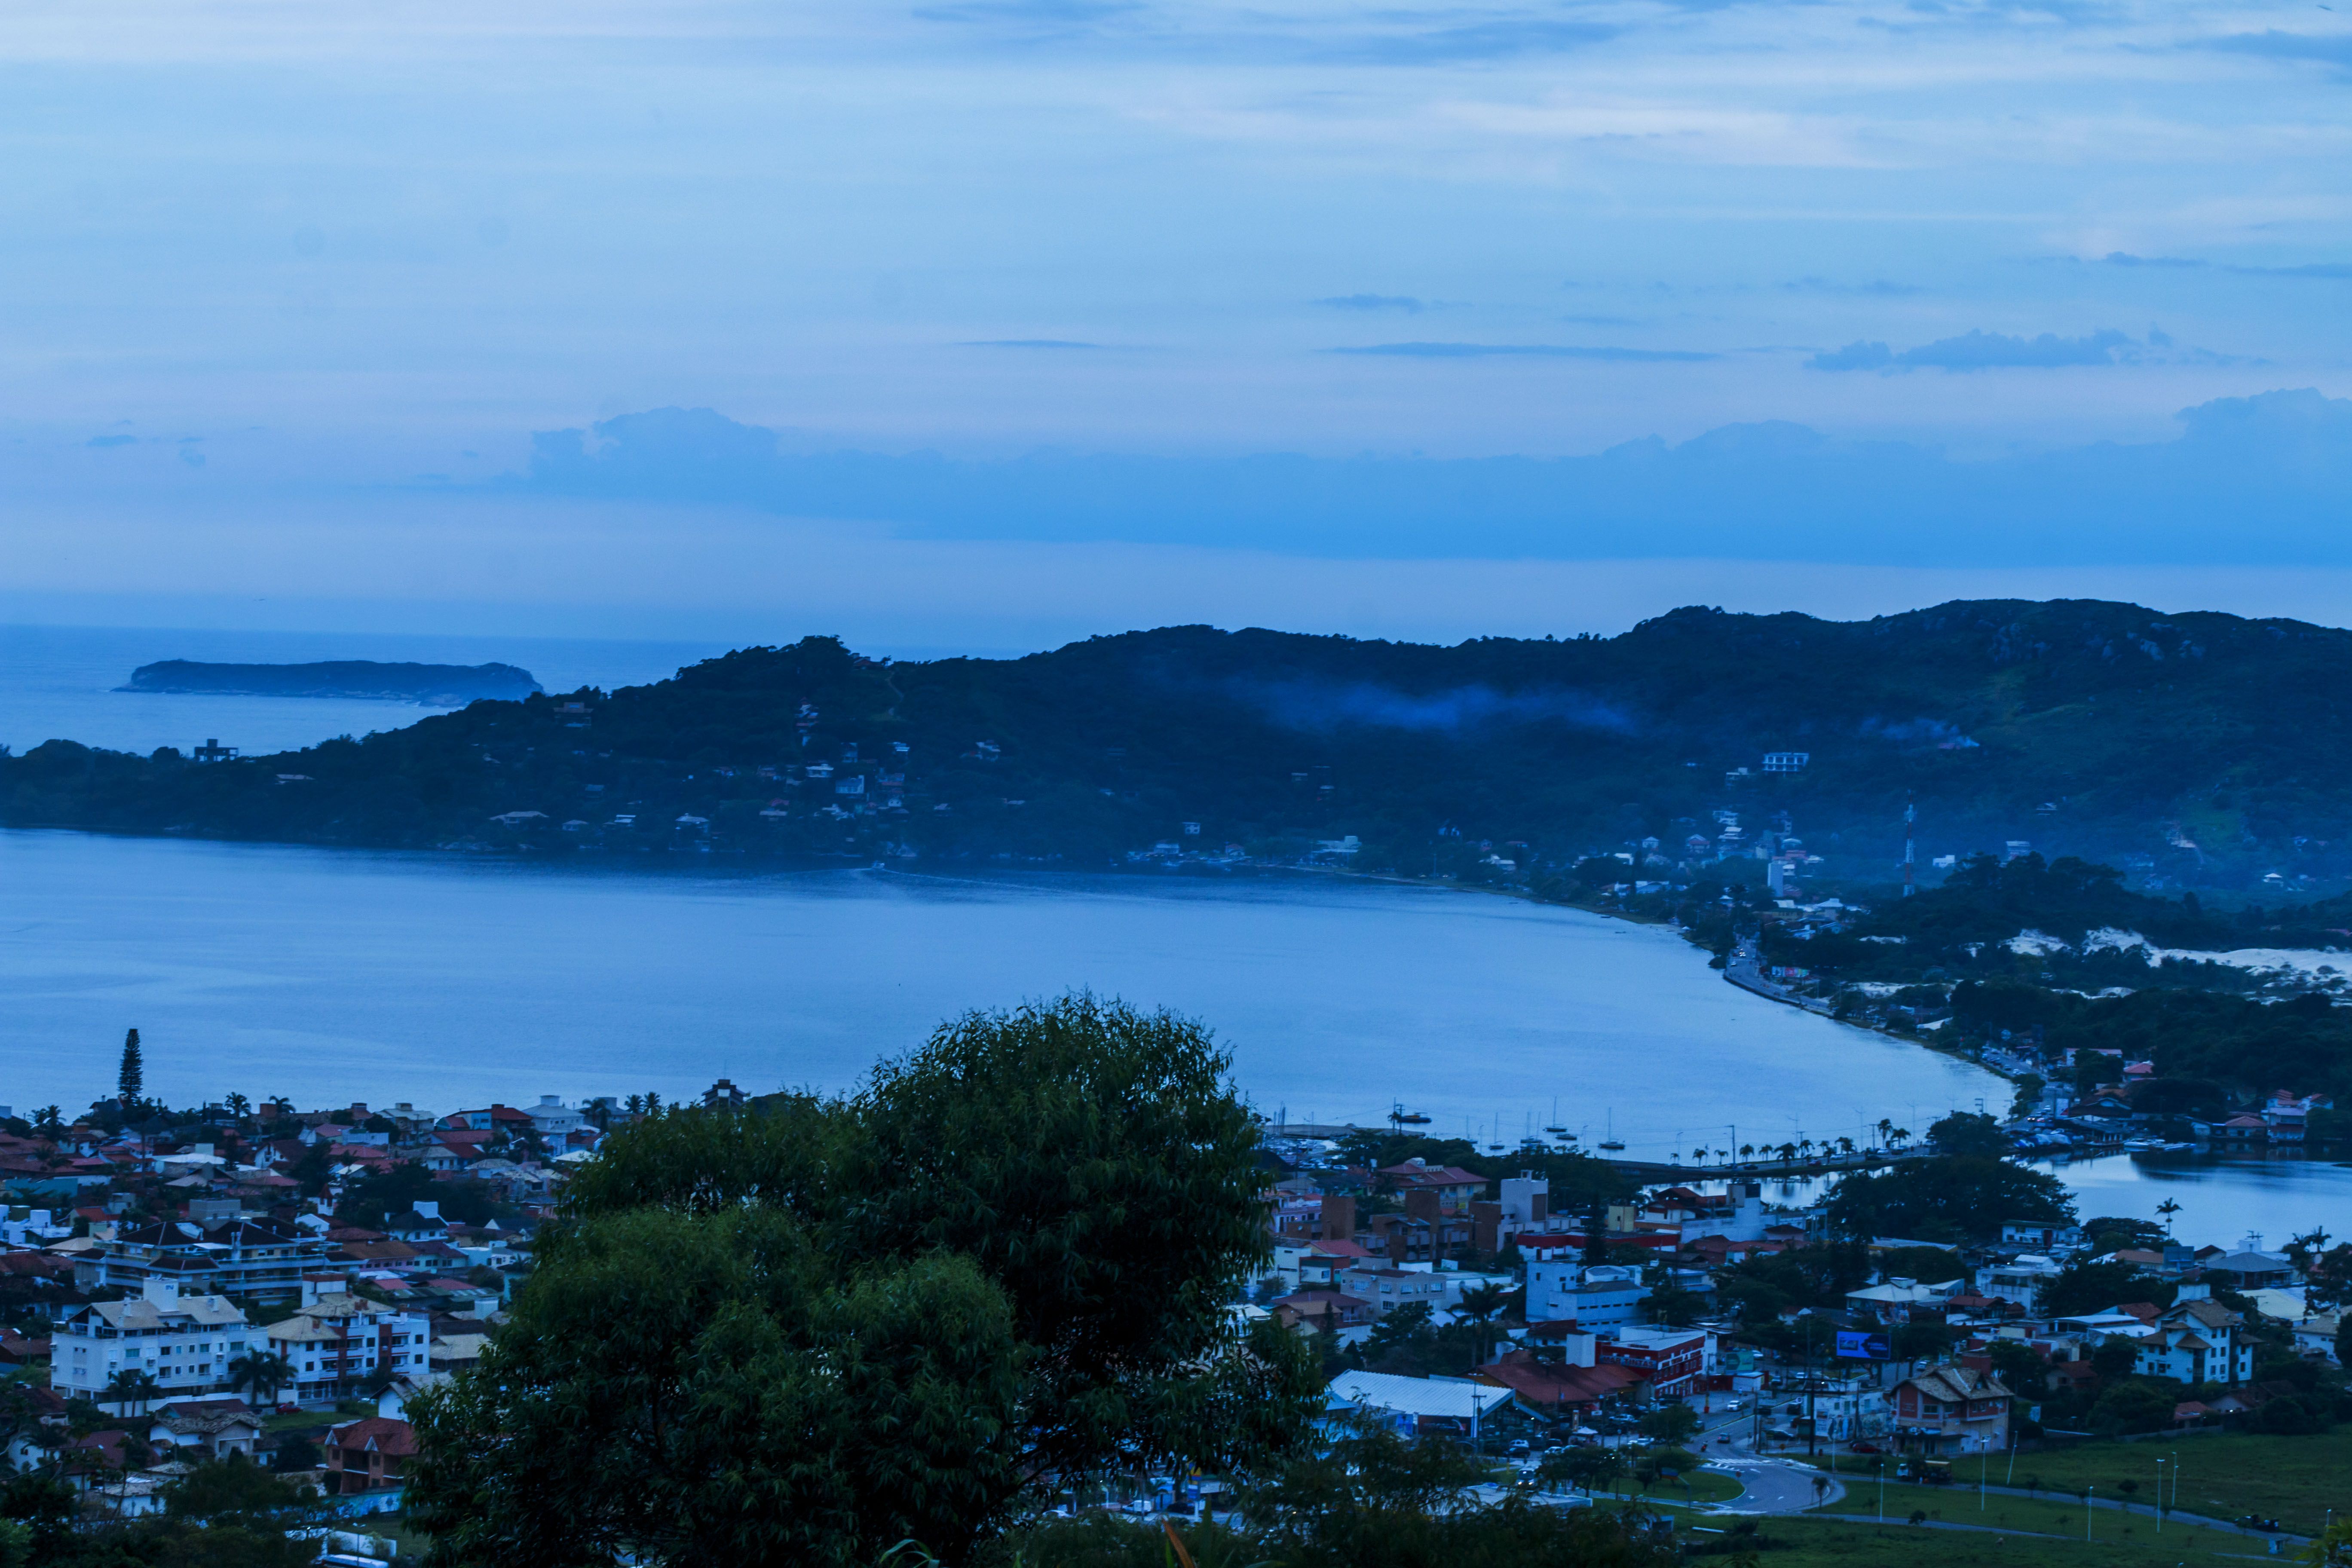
point(1555, 1130)
point(1404, 1118)
point(1609, 1139)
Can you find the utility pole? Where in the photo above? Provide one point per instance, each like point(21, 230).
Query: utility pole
point(1910, 856)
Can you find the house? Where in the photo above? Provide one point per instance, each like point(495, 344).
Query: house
point(2315, 1337)
point(422, 1222)
point(338, 1344)
point(551, 1118)
point(2199, 1342)
point(1592, 1295)
point(184, 1344)
point(1310, 1311)
point(2242, 1130)
point(1388, 1288)
point(1900, 1300)
point(1950, 1410)
point(1669, 1360)
point(204, 1428)
point(367, 1460)
point(2021, 1279)
point(2245, 1271)
point(2040, 1234)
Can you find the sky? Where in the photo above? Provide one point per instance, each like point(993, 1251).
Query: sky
point(993, 322)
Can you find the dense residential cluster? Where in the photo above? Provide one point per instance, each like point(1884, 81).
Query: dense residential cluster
point(1419, 1277)
point(262, 1280)
point(281, 1284)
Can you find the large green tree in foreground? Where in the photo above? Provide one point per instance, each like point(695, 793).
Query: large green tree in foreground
point(813, 1333)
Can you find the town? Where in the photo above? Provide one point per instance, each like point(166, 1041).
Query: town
point(264, 1284)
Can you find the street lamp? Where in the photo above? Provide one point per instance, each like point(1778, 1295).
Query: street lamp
point(2160, 1496)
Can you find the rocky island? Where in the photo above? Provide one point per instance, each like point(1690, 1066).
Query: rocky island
point(433, 685)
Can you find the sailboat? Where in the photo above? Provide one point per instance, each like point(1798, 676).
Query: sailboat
point(1610, 1139)
point(1404, 1118)
point(1555, 1130)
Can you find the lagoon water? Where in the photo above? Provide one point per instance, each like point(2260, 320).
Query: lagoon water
point(341, 976)
point(352, 975)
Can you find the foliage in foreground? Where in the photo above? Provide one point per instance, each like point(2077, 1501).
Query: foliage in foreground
point(817, 1332)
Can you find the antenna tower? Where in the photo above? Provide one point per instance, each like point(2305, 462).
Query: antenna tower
point(1910, 854)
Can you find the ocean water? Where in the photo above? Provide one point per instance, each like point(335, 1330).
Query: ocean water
point(58, 683)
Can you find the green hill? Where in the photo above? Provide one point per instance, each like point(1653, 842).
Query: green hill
point(2205, 749)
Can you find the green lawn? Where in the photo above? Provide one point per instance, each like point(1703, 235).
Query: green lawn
point(2045, 1515)
point(1816, 1542)
point(2295, 1481)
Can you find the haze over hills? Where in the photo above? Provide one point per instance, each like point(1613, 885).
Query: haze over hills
point(2201, 749)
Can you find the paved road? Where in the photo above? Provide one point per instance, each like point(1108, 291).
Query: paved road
point(1775, 1486)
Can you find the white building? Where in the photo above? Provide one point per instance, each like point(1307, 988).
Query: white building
point(184, 1342)
point(339, 1345)
point(2021, 1279)
point(1591, 1296)
point(554, 1119)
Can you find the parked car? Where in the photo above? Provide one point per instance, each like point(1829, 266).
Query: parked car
point(1861, 1445)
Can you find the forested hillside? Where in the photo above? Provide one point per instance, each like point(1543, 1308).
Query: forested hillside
point(2202, 749)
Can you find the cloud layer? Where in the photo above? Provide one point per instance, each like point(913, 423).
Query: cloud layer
point(2261, 479)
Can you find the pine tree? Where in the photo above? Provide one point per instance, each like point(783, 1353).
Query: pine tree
point(135, 1075)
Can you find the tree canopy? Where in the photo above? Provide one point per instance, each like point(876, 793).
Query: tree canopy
point(816, 1332)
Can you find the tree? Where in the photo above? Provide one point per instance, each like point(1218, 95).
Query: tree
point(2018, 1368)
point(2094, 1284)
point(1921, 1339)
point(818, 1330)
point(2132, 1406)
point(132, 1077)
point(49, 1121)
point(1591, 1469)
point(2168, 1208)
point(2114, 1360)
point(130, 1387)
point(263, 1371)
point(1669, 1425)
point(1948, 1197)
point(1964, 1133)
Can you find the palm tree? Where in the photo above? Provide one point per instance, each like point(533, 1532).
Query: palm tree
point(1699, 1154)
point(1748, 1150)
point(1845, 1146)
point(263, 1371)
point(1787, 1153)
point(238, 1106)
point(1806, 1144)
point(1886, 1131)
point(634, 1105)
point(49, 1122)
point(2168, 1208)
point(131, 1387)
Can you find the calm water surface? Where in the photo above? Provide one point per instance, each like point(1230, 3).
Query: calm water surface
point(332, 975)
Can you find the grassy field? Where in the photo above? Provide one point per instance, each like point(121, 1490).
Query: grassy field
point(1816, 1542)
point(2295, 1481)
point(2045, 1515)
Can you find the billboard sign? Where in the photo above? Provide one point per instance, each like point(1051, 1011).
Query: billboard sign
point(1854, 1345)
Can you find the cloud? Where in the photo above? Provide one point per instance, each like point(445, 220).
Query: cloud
point(2332, 49)
point(1992, 351)
point(2278, 464)
point(1405, 302)
point(1502, 39)
point(110, 440)
point(1535, 350)
point(2334, 271)
point(1877, 287)
point(1027, 343)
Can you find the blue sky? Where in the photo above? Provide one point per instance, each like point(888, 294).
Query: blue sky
point(299, 296)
